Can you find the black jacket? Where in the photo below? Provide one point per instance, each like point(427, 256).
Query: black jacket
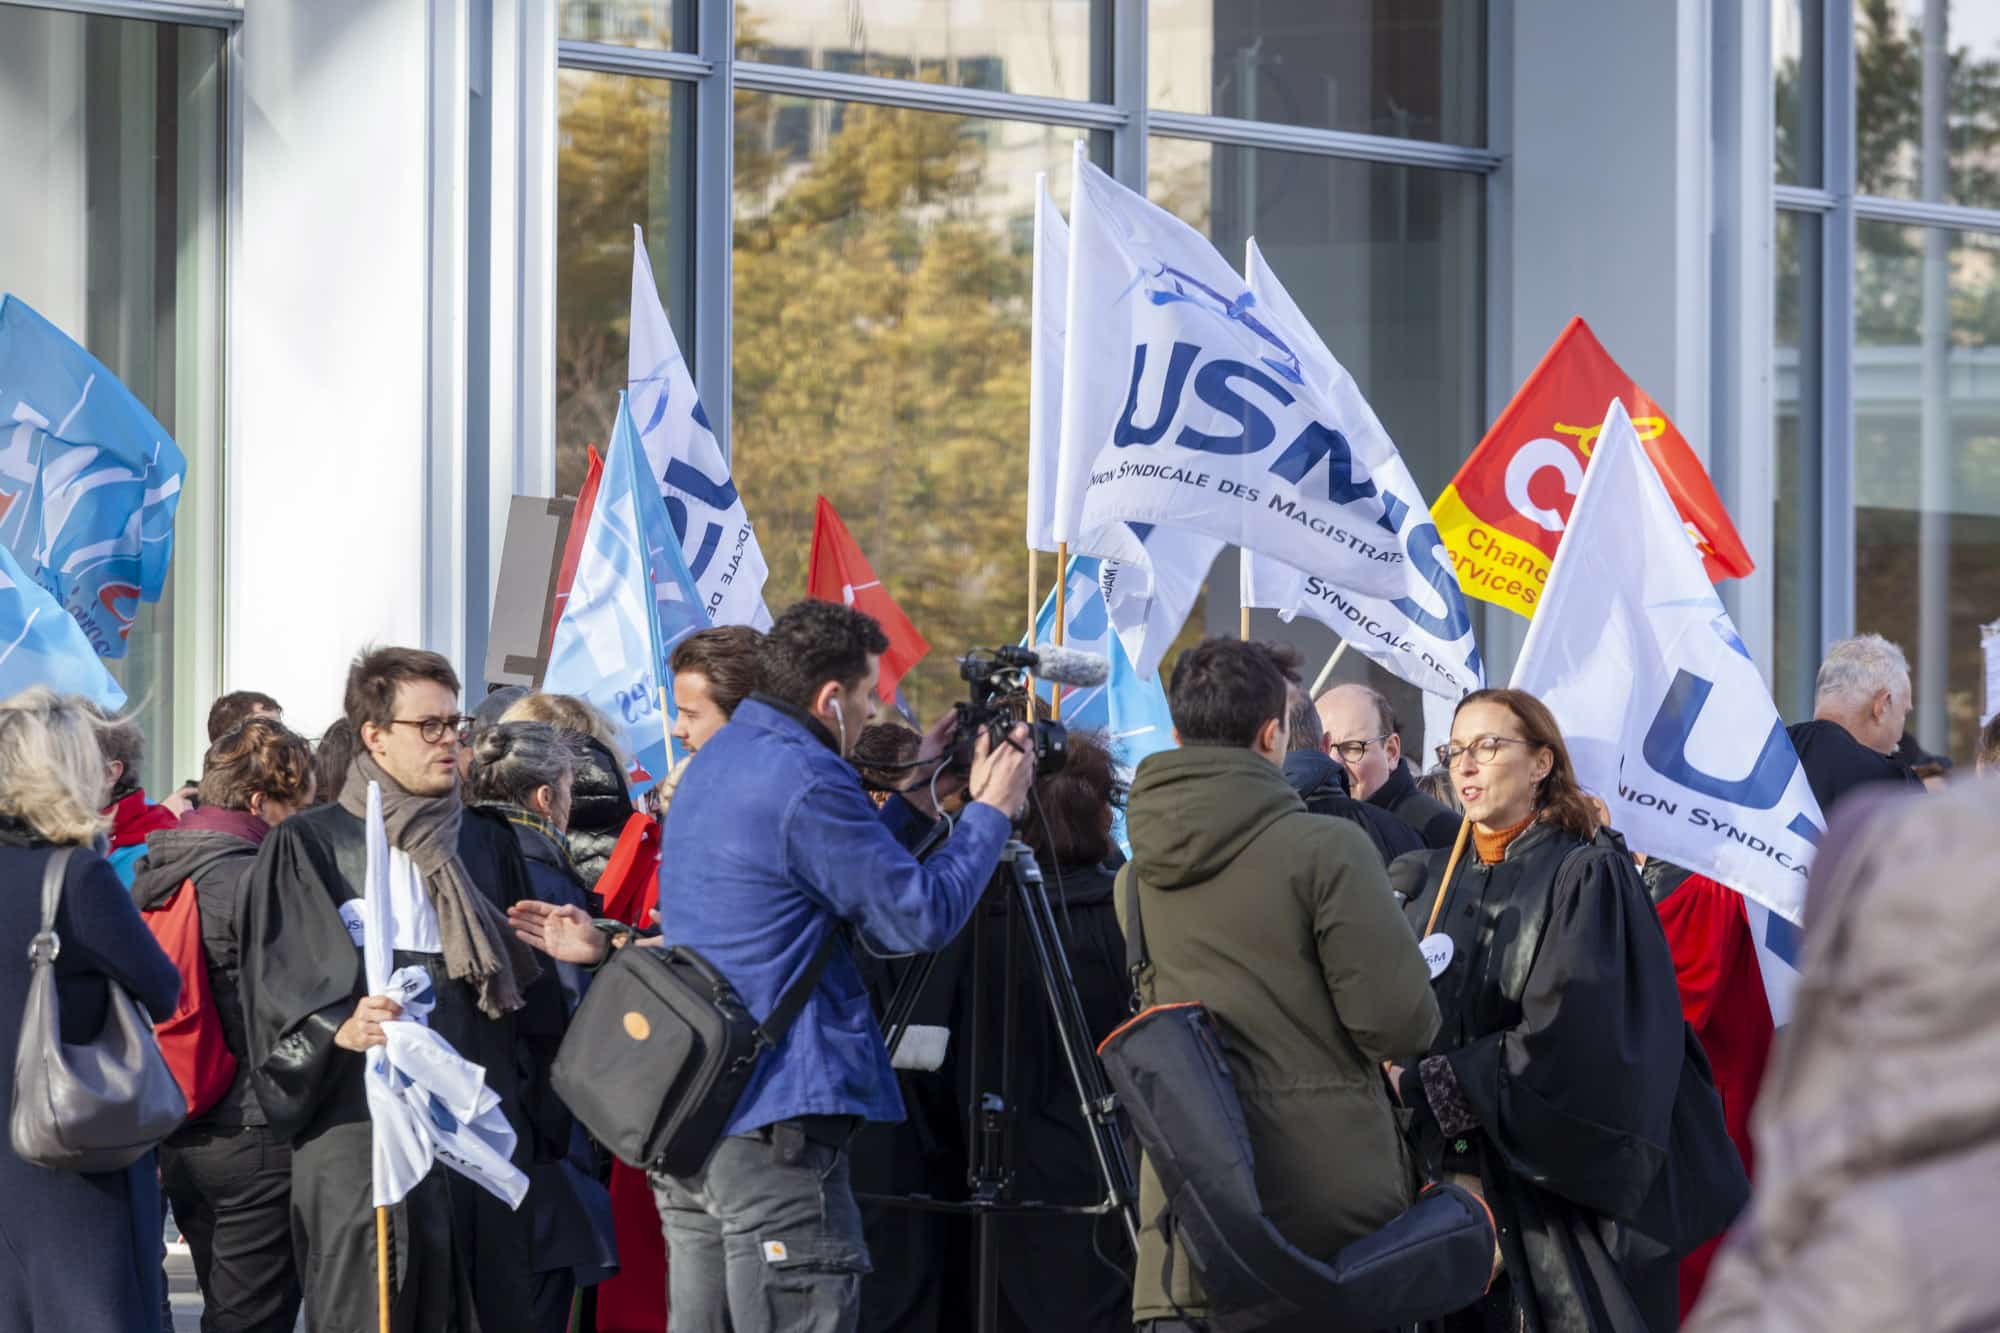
point(553, 875)
point(1435, 822)
point(1836, 763)
point(599, 805)
point(218, 860)
point(1321, 783)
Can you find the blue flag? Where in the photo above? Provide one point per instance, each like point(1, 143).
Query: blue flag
point(1130, 713)
point(88, 479)
point(39, 645)
point(631, 601)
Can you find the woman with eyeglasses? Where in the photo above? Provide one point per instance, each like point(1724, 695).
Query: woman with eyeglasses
point(1563, 1084)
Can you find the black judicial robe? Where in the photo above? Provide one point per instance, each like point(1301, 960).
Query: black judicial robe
point(1599, 1135)
point(455, 1248)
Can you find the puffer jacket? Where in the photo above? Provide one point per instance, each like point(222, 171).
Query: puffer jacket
point(1878, 1127)
point(599, 805)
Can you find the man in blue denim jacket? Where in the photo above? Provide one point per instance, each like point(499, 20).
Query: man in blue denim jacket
point(771, 843)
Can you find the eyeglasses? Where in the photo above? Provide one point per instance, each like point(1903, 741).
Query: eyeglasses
point(435, 729)
point(1351, 751)
point(1486, 749)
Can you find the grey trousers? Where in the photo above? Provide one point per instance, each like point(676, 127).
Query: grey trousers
point(767, 1239)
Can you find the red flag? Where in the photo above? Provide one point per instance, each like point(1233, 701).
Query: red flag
point(1504, 512)
point(838, 572)
point(579, 523)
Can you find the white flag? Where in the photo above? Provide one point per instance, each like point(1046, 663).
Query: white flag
point(707, 513)
point(1185, 406)
point(1665, 715)
point(1045, 365)
point(425, 1101)
point(1150, 596)
point(1423, 631)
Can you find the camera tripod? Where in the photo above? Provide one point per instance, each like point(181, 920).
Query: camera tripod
point(1026, 916)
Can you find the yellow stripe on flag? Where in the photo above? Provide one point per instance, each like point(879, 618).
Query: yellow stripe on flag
point(1492, 565)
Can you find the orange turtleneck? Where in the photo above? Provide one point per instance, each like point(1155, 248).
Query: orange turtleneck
point(1492, 846)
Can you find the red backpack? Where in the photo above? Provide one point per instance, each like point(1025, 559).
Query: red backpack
point(191, 1040)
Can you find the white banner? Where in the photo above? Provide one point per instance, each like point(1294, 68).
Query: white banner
point(693, 477)
point(1665, 715)
point(1185, 406)
point(1423, 632)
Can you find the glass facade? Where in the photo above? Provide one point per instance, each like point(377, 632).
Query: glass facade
point(111, 143)
point(1405, 69)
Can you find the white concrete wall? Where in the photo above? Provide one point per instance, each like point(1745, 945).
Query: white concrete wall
point(327, 460)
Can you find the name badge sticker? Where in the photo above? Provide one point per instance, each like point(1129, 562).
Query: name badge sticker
point(1437, 951)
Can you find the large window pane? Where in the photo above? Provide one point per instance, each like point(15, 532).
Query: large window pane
point(1043, 47)
point(1795, 564)
point(1410, 69)
point(1386, 263)
point(1798, 103)
point(646, 23)
point(112, 149)
point(1927, 100)
point(1927, 460)
point(616, 144)
point(880, 320)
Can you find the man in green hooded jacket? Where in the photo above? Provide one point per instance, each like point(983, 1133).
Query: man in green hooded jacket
point(1282, 923)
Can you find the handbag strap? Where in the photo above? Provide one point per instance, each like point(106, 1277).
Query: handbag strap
point(54, 871)
point(772, 1030)
point(1137, 960)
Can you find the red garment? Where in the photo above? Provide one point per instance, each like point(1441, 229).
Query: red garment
point(133, 820)
point(1723, 1000)
point(836, 571)
point(634, 1299)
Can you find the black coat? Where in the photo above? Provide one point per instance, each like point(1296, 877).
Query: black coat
point(76, 1251)
point(302, 976)
point(554, 879)
point(1321, 783)
point(1836, 763)
point(1593, 1121)
point(1434, 821)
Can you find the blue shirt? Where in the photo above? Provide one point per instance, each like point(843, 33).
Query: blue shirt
point(769, 842)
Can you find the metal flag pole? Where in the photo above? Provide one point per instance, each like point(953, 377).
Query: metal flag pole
point(1327, 670)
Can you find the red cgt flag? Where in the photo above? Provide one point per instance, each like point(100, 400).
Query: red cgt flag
point(579, 524)
point(1504, 512)
point(838, 572)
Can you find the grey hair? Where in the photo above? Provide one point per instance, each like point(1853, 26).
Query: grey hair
point(1857, 669)
point(511, 760)
point(1385, 714)
point(53, 776)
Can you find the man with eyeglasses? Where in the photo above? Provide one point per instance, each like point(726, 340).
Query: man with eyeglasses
point(456, 1251)
point(1363, 733)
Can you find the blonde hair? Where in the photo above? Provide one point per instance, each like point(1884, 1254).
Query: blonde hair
point(566, 712)
point(53, 775)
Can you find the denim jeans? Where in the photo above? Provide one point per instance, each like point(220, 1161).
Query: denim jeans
point(766, 1239)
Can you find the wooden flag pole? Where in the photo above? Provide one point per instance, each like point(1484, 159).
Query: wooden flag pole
point(382, 1266)
point(1444, 885)
point(1243, 623)
point(1062, 587)
point(1327, 670)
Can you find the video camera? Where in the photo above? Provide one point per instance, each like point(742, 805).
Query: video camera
point(1000, 698)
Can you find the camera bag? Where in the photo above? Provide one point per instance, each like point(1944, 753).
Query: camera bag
point(658, 1053)
point(1170, 1068)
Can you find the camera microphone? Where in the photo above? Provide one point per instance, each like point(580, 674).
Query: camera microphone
point(1067, 666)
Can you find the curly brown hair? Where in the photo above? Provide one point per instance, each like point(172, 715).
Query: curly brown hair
point(1559, 799)
point(257, 756)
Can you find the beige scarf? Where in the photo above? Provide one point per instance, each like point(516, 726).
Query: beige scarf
point(478, 946)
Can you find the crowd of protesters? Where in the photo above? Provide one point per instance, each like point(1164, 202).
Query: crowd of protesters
point(1458, 974)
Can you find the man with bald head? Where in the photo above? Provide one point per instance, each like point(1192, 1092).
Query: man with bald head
point(1363, 734)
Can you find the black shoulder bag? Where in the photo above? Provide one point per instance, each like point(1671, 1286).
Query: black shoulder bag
point(658, 1053)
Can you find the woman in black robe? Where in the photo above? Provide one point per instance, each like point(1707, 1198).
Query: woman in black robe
point(1563, 1079)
